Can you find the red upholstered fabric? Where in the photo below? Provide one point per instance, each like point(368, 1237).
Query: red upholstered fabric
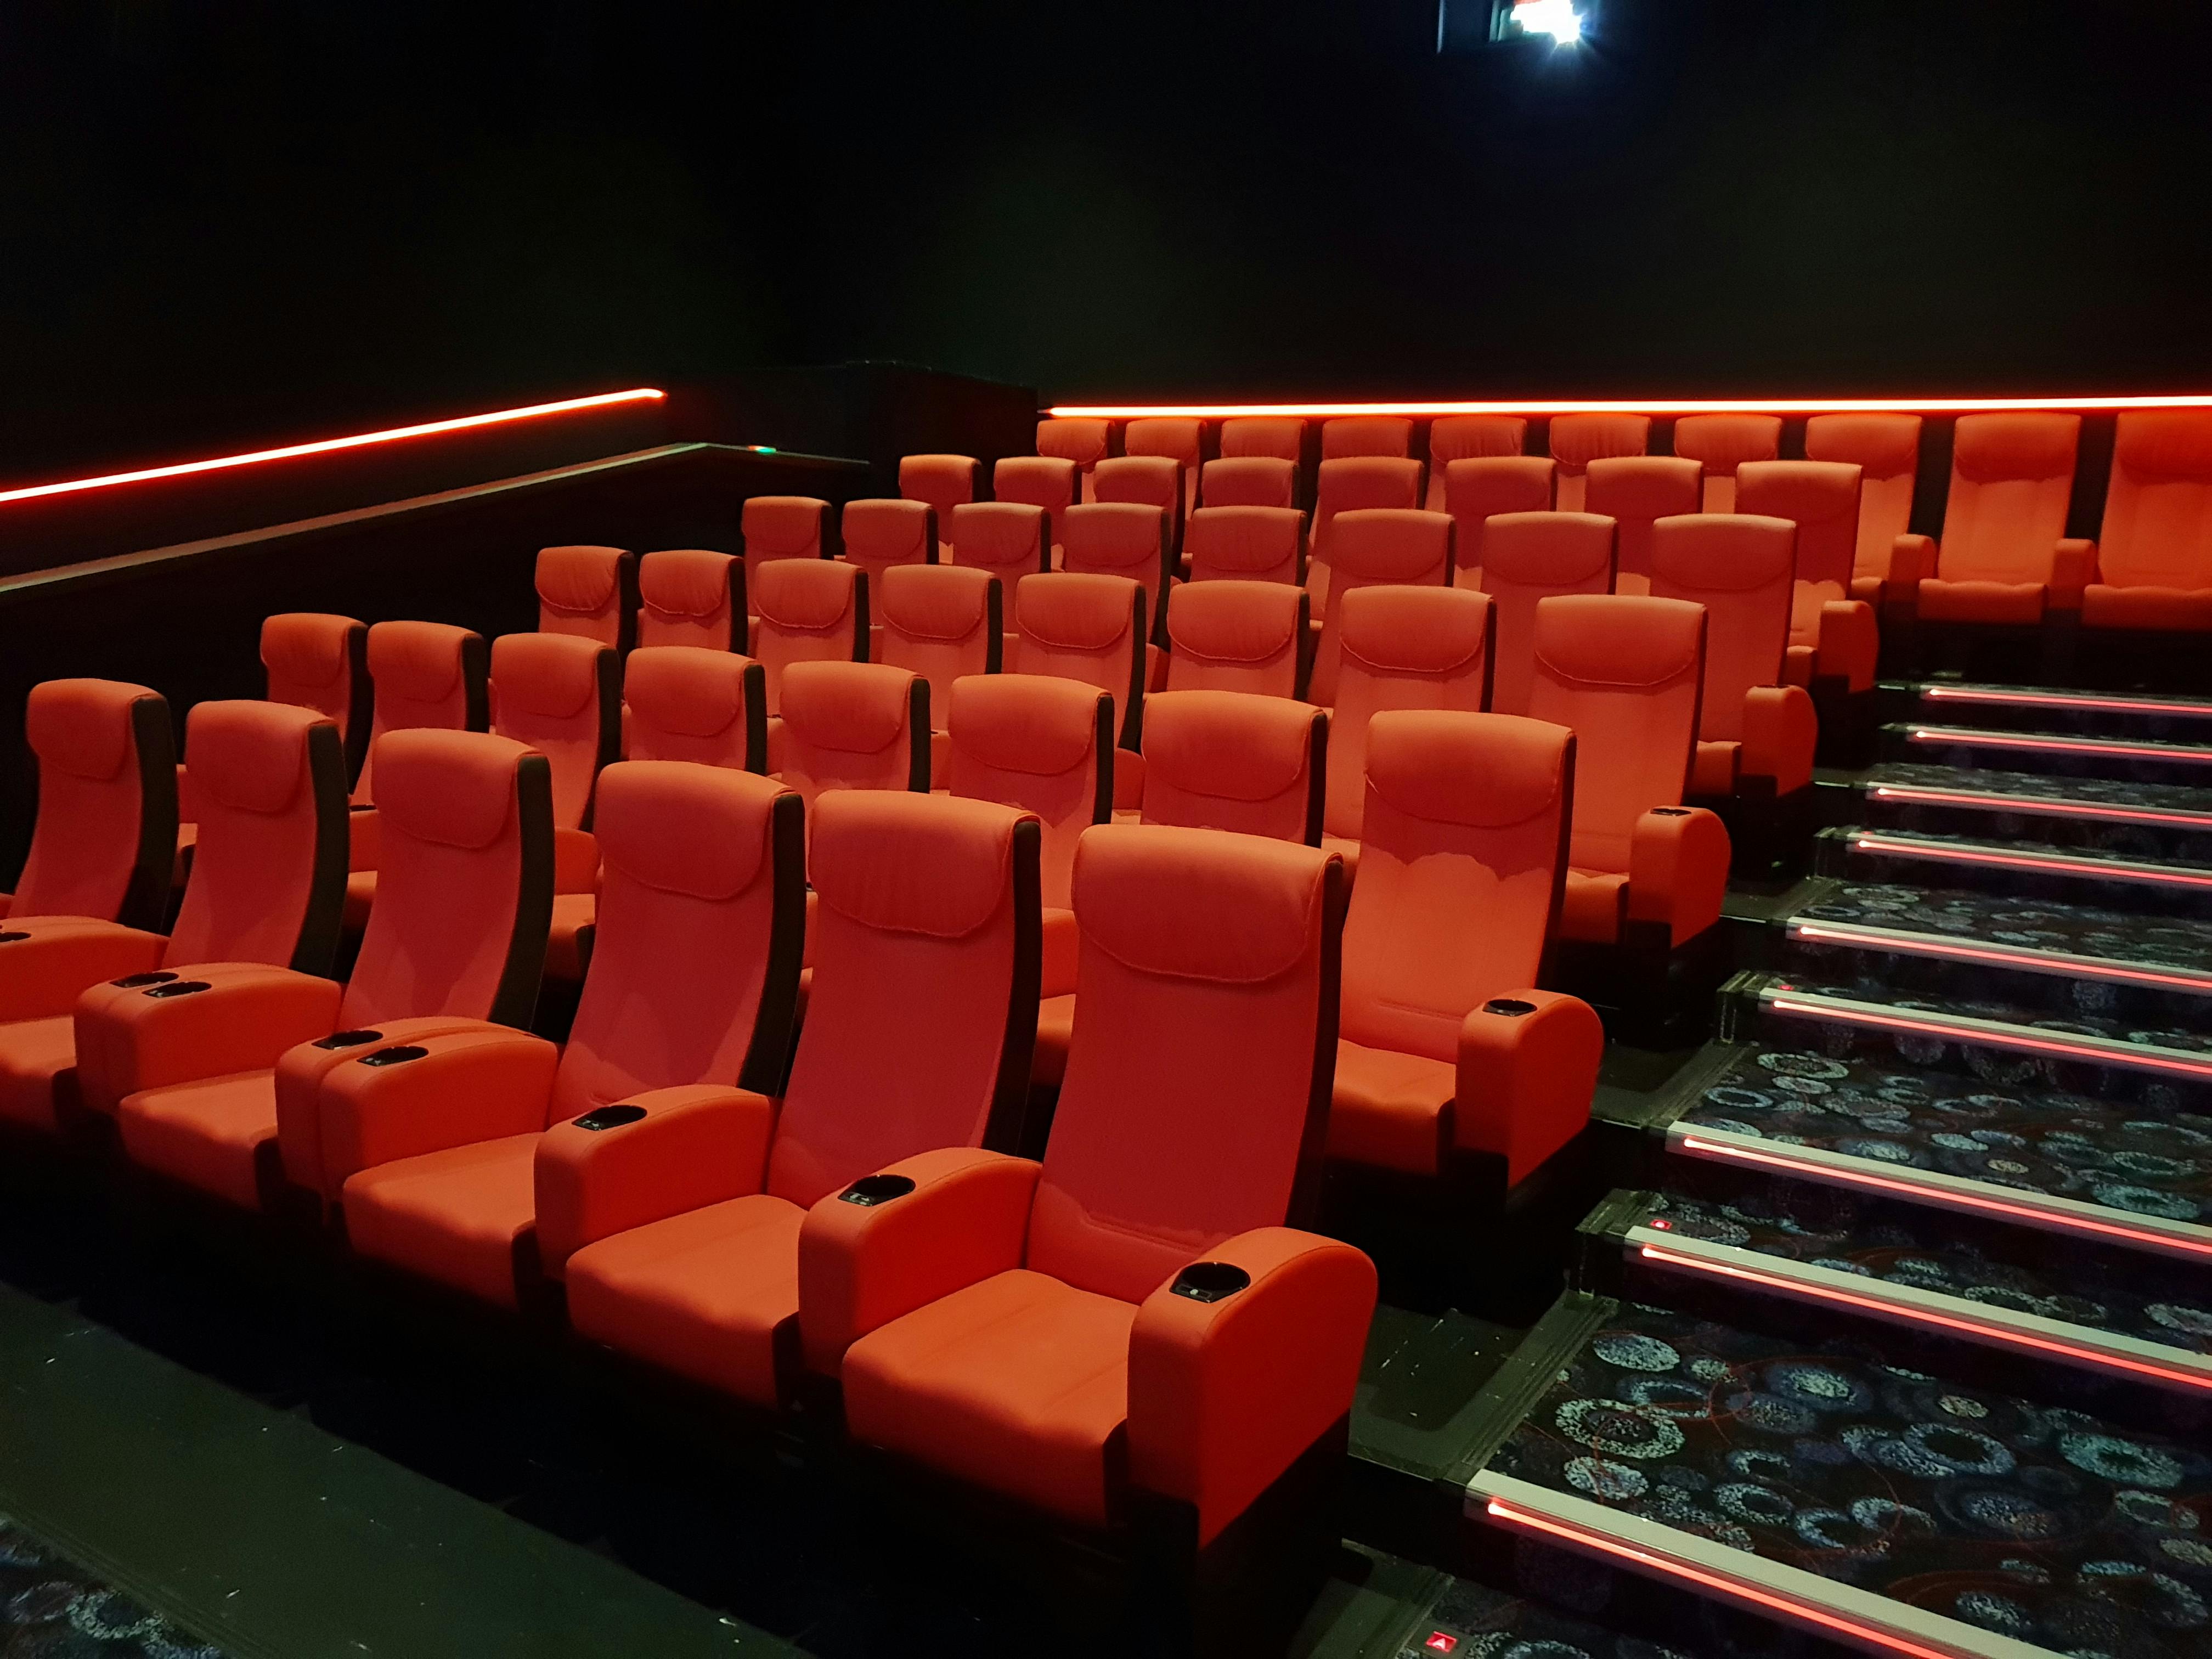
point(1174, 439)
point(2157, 531)
point(941, 621)
point(1721, 443)
point(1474, 490)
point(1249, 481)
point(1576, 440)
point(1237, 636)
point(1471, 437)
point(1043, 481)
point(1085, 442)
point(1403, 647)
point(1378, 547)
point(1247, 543)
point(427, 675)
point(33, 1054)
point(1114, 537)
point(1635, 491)
point(1738, 568)
point(2012, 476)
point(1347, 485)
point(691, 596)
point(320, 662)
point(585, 591)
point(1822, 499)
point(880, 533)
point(811, 611)
point(107, 827)
point(1006, 539)
point(1090, 629)
point(942, 481)
point(781, 528)
point(2162, 608)
point(1366, 434)
point(1277, 438)
point(689, 704)
point(1886, 448)
point(1526, 558)
point(1146, 480)
point(851, 726)
point(556, 694)
point(1042, 745)
point(1229, 760)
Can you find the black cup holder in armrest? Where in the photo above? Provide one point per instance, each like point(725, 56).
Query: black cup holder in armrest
point(1670, 811)
point(1210, 1281)
point(348, 1039)
point(1511, 1007)
point(398, 1055)
point(878, 1189)
point(10, 936)
point(183, 988)
point(140, 981)
point(609, 1117)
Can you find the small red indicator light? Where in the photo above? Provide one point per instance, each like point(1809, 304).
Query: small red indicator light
point(1441, 1642)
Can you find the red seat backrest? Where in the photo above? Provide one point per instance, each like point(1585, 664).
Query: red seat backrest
point(1043, 745)
point(1085, 442)
point(425, 675)
point(1739, 567)
point(1275, 437)
point(2158, 510)
point(1378, 547)
point(2012, 476)
point(465, 883)
point(1461, 861)
point(1822, 498)
point(923, 1014)
point(1528, 557)
point(781, 528)
point(1575, 440)
point(1247, 543)
point(851, 726)
point(1090, 629)
point(1473, 437)
point(942, 481)
point(1404, 647)
point(1366, 434)
point(1044, 481)
point(691, 596)
point(105, 840)
point(1175, 438)
point(1111, 538)
point(562, 696)
point(1228, 759)
point(941, 622)
point(1479, 487)
point(1886, 448)
point(589, 591)
point(1355, 481)
point(811, 611)
point(1636, 491)
point(1195, 1099)
point(1249, 481)
point(687, 703)
point(700, 925)
point(1010, 539)
point(1622, 672)
point(1721, 443)
point(1237, 636)
point(1151, 480)
point(321, 662)
point(888, 530)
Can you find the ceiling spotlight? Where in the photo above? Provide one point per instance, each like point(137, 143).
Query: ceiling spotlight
point(1473, 25)
point(1557, 18)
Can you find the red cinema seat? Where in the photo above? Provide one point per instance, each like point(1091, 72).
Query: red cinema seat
point(1623, 673)
point(811, 611)
point(692, 596)
point(1134, 1334)
point(1149, 480)
point(1238, 636)
point(1755, 734)
point(320, 662)
point(775, 527)
point(678, 1232)
point(693, 989)
point(1474, 437)
point(878, 534)
point(1636, 492)
point(942, 622)
point(1249, 481)
point(1350, 484)
point(1040, 481)
point(1274, 437)
point(851, 726)
point(687, 703)
point(941, 482)
point(2152, 568)
point(1229, 760)
point(1366, 434)
point(1247, 543)
point(104, 842)
point(1479, 487)
point(1403, 647)
point(1833, 637)
point(1046, 746)
point(1112, 537)
point(2004, 556)
point(1170, 438)
point(1447, 1063)
point(1009, 539)
point(1886, 449)
point(1528, 557)
point(197, 1073)
point(591, 592)
point(1575, 440)
point(1084, 442)
point(425, 675)
point(266, 886)
point(1092, 628)
point(1378, 547)
point(1721, 443)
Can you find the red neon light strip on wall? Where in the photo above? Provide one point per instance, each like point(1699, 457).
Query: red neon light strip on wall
point(2087, 967)
point(326, 446)
point(2037, 806)
point(1923, 1316)
point(2061, 700)
point(2092, 869)
point(1957, 738)
point(1627, 406)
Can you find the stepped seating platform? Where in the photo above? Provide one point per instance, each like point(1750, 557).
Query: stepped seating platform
point(2168, 822)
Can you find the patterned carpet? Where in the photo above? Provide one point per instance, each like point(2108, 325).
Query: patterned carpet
point(53, 1609)
point(1488, 1624)
point(2078, 930)
point(2159, 843)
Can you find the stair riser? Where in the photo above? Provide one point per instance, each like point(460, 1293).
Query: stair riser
point(1898, 745)
point(2013, 873)
point(2151, 841)
point(1853, 969)
point(2071, 719)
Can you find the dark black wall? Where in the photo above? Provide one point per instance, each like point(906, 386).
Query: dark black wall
point(222, 216)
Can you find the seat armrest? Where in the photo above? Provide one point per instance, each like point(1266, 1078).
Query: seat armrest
point(576, 861)
point(1850, 643)
point(301, 1068)
point(1128, 779)
point(47, 962)
point(1063, 946)
point(129, 1038)
point(385, 1100)
point(2072, 568)
point(1225, 1395)
point(1799, 664)
point(684, 1149)
point(362, 842)
point(1678, 862)
point(1780, 731)
point(1528, 1067)
point(872, 1252)
point(1911, 561)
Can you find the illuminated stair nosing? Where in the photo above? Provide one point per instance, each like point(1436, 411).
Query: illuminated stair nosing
point(1905, 941)
point(2053, 861)
point(1992, 1033)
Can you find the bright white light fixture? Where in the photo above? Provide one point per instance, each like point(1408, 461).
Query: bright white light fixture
point(1557, 18)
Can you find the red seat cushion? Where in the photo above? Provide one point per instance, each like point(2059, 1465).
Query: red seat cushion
point(1019, 1383)
point(2145, 607)
point(451, 1216)
point(1389, 1107)
point(32, 1053)
point(1981, 602)
point(207, 1134)
point(1590, 906)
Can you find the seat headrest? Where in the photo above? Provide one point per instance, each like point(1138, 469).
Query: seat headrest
point(1546, 550)
point(934, 601)
point(2028, 444)
point(1486, 771)
point(782, 526)
point(1039, 723)
point(685, 689)
point(1082, 441)
point(418, 661)
point(812, 594)
point(1235, 745)
point(1625, 640)
point(1392, 544)
point(1077, 610)
point(1370, 481)
point(706, 831)
point(887, 528)
point(859, 708)
point(1529, 475)
point(82, 727)
point(1723, 552)
point(938, 476)
point(998, 533)
point(1578, 439)
point(1721, 443)
point(1251, 435)
point(1644, 486)
point(1366, 434)
point(1153, 479)
point(1041, 480)
point(580, 581)
point(902, 863)
point(1177, 437)
point(685, 582)
point(1249, 481)
point(306, 648)
point(1414, 630)
point(555, 676)
point(1806, 491)
point(457, 788)
point(1885, 445)
point(250, 756)
point(1469, 437)
point(1199, 904)
point(1122, 534)
point(1235, 621)
point(1243, 538)
point(2166, 445)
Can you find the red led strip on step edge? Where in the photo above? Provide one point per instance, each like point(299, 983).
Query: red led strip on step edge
point(2031, 962)
point(1954, 737)
point(2038, 805)
point(2061, 700)
point(1784, 1004)
point(1626, 406)
point(2088, 869)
